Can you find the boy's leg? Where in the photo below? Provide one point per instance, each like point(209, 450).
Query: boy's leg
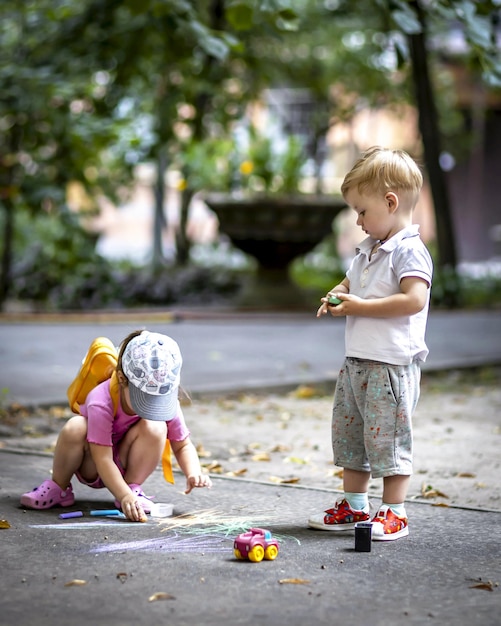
point(394, 393)
point(355, 481)
point(390, 522)
point(395, 489)
point(348, 449)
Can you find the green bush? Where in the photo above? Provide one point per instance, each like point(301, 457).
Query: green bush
point(56, 267)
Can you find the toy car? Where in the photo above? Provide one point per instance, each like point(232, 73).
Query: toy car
point(255, 544)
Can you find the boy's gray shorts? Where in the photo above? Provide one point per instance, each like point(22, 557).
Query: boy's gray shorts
point(372, 416)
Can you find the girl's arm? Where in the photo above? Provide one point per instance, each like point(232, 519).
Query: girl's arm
point(113, 479)
point(187, 458)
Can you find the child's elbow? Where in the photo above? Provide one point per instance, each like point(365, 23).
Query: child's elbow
point(417, 303)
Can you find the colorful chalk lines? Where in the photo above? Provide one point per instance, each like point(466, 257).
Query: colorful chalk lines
point(206, 530)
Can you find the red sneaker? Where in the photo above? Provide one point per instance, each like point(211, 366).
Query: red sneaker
point(386, 526)
point(340, 517)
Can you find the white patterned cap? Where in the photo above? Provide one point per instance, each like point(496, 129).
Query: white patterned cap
point(152, 364)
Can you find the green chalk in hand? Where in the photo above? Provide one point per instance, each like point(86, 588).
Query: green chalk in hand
point(333, 301)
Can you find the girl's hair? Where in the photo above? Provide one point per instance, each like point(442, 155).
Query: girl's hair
point(123, 345)
point(184, 395)
point(379, 170)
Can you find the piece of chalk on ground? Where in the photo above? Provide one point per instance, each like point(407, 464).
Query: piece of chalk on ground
point(70, 515)
point(104, 512)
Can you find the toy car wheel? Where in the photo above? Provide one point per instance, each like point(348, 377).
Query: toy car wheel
point(271, 553)
point(256, 554)
point(238, 554)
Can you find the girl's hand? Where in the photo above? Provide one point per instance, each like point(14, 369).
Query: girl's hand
point(200, 480)
point(132, 509)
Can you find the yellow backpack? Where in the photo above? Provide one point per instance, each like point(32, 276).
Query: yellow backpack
point(98, 365)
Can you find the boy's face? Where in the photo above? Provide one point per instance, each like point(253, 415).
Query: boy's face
point(377, 214)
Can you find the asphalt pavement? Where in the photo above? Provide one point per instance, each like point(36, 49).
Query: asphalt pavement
point(182, 570)
point(223, 351)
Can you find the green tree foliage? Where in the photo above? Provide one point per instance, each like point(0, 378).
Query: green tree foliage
point(91, 88)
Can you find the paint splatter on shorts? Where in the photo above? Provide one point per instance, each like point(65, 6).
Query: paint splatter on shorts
point(372, 416)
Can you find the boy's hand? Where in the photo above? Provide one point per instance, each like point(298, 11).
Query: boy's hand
point(330, 301)
point(201, 480)
point(350, 305)
point(322, 310)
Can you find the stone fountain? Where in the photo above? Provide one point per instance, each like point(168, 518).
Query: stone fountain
point(275, 230)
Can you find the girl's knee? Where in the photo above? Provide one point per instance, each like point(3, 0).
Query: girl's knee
point(75, 429)
point(150, 429)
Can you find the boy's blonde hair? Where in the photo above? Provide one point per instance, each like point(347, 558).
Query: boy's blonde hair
point(379, 170)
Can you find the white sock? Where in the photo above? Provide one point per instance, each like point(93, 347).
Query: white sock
point(398, 509)
point(357, 501)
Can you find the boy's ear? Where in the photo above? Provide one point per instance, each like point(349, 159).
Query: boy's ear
point(391, 199)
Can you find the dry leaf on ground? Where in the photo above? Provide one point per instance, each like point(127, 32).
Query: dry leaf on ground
point(76, 582)
point(294, 581)
point(488, 585)
point(161, 595)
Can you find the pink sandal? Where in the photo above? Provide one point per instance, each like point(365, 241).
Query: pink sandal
point(143, 500)
point(47, 495)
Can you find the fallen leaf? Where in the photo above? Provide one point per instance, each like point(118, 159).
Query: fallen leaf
point(4, 523)
point(202, 452)
point(215, 467)
point(444, 504)
point(255, 445)
point(76, 582)
point(262, 456)
point(488, 585)
point(466, 475)
point(335, 472)
point(304, 391)
point(284, 481)
point(59, 412)
point(280, 448)
point(294, 581)
point(427, 491)
point(296, 459)
point(239, 472)
point(161, 595)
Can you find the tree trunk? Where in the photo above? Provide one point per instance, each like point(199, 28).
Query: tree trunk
point(8, 236)
point(182, 241)
point(160, 221)
point(8, 185)
point(428, 126)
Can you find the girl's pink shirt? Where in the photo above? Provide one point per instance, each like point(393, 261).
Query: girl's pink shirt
point(106, 429)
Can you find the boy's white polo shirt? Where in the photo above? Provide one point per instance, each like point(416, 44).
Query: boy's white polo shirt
point(396, 340)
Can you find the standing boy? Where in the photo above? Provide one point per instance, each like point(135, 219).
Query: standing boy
point(385, 298)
